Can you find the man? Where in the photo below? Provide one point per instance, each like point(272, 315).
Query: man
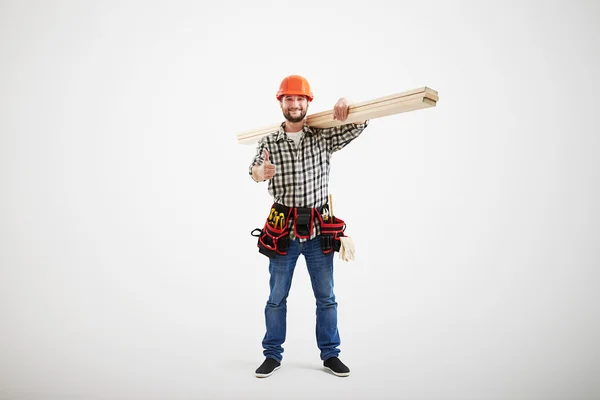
point(295, 161)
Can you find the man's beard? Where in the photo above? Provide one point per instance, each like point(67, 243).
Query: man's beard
point(289, 117)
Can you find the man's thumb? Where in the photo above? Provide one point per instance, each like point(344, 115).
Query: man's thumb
point(266, 155)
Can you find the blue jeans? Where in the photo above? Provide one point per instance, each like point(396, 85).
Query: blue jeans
point(320, 269)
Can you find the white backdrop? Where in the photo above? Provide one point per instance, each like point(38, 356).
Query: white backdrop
point(127, 269)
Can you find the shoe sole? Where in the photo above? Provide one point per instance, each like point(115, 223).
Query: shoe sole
point(338, 373)
point(266, 375)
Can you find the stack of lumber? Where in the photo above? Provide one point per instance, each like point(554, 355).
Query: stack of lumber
point(381, 107)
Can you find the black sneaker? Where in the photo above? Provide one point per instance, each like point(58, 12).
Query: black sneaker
point(267, 368)
point(336, 366)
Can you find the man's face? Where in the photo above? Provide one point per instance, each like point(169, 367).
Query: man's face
point(294, 107)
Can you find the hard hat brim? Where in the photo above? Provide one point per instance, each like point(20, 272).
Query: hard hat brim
point(296, 92)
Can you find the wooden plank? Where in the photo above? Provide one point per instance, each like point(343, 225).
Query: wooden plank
point(380, 107)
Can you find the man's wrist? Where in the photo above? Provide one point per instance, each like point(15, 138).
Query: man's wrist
point(255, 174)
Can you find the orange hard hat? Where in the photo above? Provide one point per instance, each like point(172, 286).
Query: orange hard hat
point(294, 84)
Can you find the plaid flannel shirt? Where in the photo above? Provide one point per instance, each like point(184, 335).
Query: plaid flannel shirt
point(302, 173)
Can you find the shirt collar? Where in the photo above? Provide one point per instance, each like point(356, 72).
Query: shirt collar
point(281, 135)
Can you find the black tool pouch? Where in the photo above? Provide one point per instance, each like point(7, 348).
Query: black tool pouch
point(303, 222)
point(274, 238)
point(332, 229)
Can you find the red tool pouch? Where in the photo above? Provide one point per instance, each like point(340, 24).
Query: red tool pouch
point(274, 238)
point(331, 232)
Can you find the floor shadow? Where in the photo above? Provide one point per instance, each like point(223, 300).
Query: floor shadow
point(303, 365)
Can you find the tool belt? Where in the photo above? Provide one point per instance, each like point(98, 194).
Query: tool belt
point(274, 237)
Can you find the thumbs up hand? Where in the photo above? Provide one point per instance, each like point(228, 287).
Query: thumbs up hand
point(266, 170)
